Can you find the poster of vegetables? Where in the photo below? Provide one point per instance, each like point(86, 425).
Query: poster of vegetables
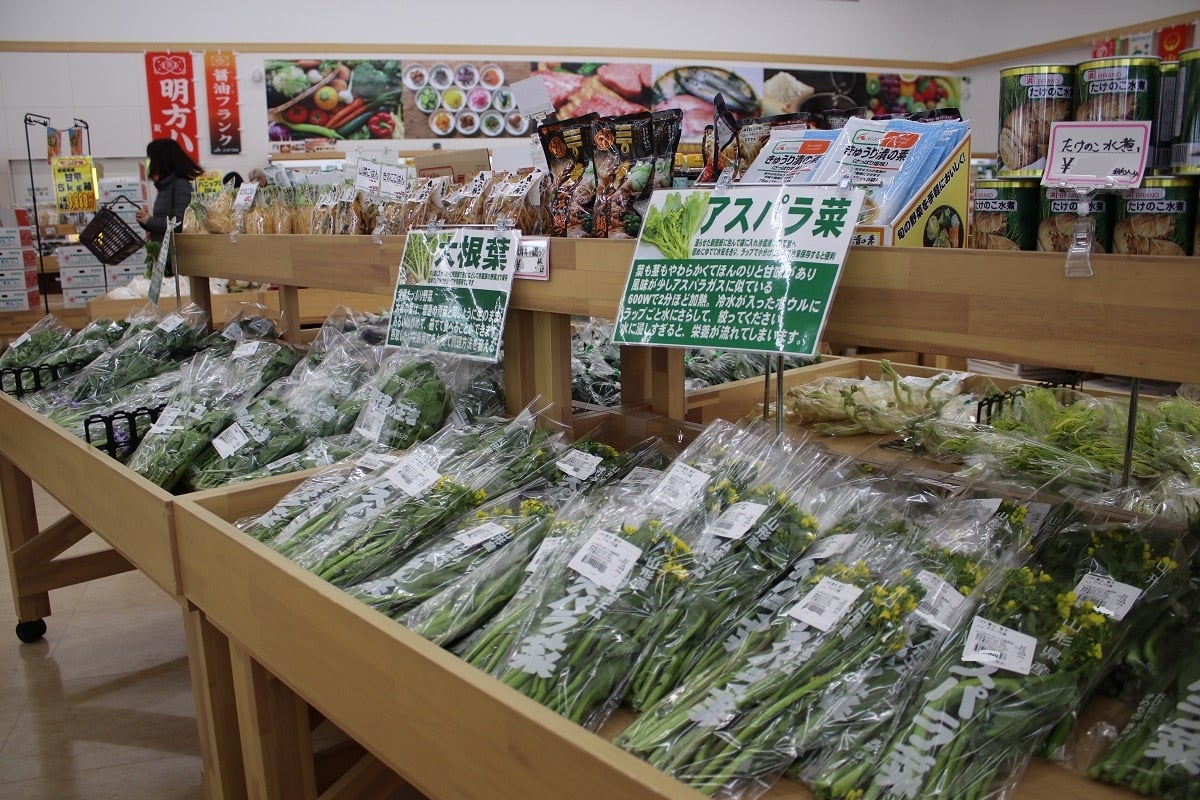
point(334, 99)
point(463, 99)
point(787, 90)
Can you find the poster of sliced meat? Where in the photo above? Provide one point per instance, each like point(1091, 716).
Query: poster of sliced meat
point(463, 99)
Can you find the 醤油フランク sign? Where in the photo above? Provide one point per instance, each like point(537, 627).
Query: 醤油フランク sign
point(453, 291)
point(753, 268)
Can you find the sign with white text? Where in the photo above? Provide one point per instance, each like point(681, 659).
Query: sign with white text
point(453, 291)
point(753, 268)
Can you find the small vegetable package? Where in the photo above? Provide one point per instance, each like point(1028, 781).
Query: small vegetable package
point(579, 639)
point(743, 552)
point(1032, 647)
point(407, 401)
point(38, 341)
point(461, 609)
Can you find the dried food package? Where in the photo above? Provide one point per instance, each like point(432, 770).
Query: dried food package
point(347, 214)
point(323, 214)
point(753, 136)
point(623, 161)
point(668, 126)
point(302, 204)
point(517, 201)
point(219, 216)
point(568, 148)
point(466, 205)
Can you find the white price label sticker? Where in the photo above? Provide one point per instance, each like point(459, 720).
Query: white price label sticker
point(413, 476)
point(833, 545)
point(287, 462)
point(233, 333)
point(166, 419)
point(641, 478)
point(606, 560)
point(1035, 516)
point(546, 550)
point(170, 322)
point(480, 534)
point(940, 602)
point(681, 485)
point(992, 643)
point(348, 194)
point(373, 461)
point(825, 604)
point(983, 507)
point(370, 422)
point(578, 464)
point(245, 196)
point(246, 348)
point(738, 519)
point(231, 440)
point(1111, 598)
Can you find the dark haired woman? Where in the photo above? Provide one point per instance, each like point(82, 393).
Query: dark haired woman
point(172, 171)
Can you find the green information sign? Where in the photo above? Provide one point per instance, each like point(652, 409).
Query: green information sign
point(751, 268)
point(453, 291)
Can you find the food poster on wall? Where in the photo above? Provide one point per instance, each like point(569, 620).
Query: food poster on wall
point(330, 100)
point(613, 89)
point(753, 268)
point(463, 99)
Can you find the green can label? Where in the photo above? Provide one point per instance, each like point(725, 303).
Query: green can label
point(1059, 212)
point(1157, 219)
point(1116, 89)
point(1030, 99)
point(1185, 144)
point(1005, 215)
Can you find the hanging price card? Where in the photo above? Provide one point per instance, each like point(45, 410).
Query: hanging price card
point(453, 291)
point(209, 182)
point(751, 268)
point(1097, 154)
point(392, 181)
point(367, 177)
point(74, 183)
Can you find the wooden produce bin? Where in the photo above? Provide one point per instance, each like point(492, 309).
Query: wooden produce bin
point(130, 513)
point(451, 732)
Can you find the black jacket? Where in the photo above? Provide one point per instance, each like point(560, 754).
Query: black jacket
point(174, 194)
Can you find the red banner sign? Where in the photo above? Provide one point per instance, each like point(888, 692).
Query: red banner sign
point(224, 121)
point(169, 82)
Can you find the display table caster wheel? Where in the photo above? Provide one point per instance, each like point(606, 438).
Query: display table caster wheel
point(29, 632)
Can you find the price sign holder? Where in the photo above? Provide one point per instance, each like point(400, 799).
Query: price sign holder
point(242, 202)
point(1089, 157)
point(165, 253)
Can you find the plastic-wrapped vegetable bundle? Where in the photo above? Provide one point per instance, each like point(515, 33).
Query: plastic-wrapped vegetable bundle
point(93, 339)
point(957, 552)
point(595, 365)
point(286, 415)
point(1157, 752)
point(578, 641)
point(1021, 659)
point(366, 533)
point(146, 396)
point(739, 556)
point(524, 513)
point(468, 604)
point(149, 352)
point(218, 383)
point(728, 728)
point(40, 340)
point(315, 496)
point(320, 452)
point(406, 402)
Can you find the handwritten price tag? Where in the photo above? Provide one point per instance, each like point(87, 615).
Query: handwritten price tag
point(1097, 154)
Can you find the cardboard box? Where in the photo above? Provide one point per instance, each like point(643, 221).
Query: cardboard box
point(20, 300)
point(79, 277)
point(455, 164)
point(947, 188)
point(22, 258)
point(76, 255)
point(15, 217)
point(79, 296)
point(11, 238)
point(123, 273)
point(19, 279)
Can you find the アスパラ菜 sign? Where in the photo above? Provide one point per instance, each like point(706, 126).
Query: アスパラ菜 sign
point(752, 268)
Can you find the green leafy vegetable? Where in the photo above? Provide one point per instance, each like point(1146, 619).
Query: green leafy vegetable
point(673, 227)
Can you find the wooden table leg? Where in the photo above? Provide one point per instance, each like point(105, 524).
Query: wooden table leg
point(20, 527)
point(537, 362)
point(276, 741)
point(216, 708)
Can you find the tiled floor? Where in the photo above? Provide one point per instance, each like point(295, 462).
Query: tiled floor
point(101, 707)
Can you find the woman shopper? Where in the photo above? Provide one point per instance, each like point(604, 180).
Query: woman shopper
point(172, 171)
